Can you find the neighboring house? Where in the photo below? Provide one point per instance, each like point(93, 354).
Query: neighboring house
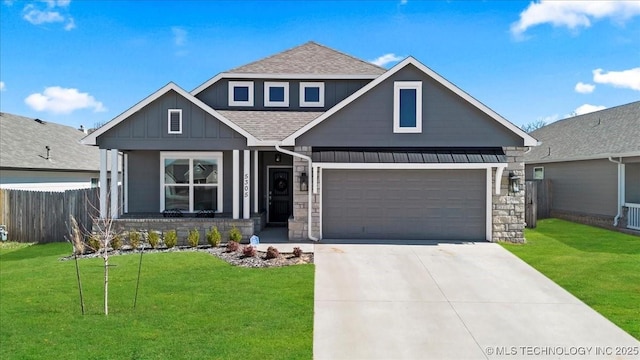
point(593, 163)
point(328, 145)
point(43, 156)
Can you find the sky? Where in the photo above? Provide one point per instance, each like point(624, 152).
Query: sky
point(83, 62)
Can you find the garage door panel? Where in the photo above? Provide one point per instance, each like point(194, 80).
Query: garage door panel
point(404, 204)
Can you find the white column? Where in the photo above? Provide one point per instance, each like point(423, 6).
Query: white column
point(255, 181)
point(103, 183)
point(125, 182)
point(236, 184)
point(246, 185)
point(114, 184)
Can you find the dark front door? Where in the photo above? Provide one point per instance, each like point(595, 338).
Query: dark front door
point(280, 197)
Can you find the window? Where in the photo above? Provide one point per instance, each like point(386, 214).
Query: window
point(240, 93)
point(276, 93)
point(538, 173)
point(407, 107)
point(174, 122)
point(191, 181)
point(311, 94)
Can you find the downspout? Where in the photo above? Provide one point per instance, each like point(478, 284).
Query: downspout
point(619, 214)
point(304, 157)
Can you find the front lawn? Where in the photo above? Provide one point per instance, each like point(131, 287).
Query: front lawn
point(191, 305)
point(600, 267)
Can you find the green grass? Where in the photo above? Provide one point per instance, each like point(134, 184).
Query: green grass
point(190, 306)
point(598, 266)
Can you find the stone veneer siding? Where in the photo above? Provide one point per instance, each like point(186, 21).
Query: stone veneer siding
point(508, 208)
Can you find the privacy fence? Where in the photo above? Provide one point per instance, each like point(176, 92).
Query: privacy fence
point(42, 217)
point(538, 199)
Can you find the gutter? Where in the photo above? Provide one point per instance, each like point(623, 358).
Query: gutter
point(620, 189)
point(304, 157)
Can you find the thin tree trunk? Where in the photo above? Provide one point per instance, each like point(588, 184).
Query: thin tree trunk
point(75, 255)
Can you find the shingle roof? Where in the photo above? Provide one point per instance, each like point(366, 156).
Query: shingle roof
point(270, 125)
point(425, 156)
point(23, 141)
point(310, 58)
point(609, 132)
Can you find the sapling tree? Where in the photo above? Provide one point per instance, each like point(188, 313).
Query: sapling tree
point(76, 239)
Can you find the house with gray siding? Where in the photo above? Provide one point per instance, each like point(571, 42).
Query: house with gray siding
point(325, 144)
point(593, 163)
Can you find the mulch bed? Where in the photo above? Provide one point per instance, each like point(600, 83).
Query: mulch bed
point(235, 258)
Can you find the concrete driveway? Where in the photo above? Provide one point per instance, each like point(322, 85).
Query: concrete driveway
point(450, 301)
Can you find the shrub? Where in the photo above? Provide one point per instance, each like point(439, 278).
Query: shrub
point(171, 238)
point(134, 239)
point(235, 234)
point(272, 253)
point(232, 246)
point(213, 236)
point(116, 242)
point(94, 242)
point(297, 252)
point(193, 238)
point(249, 251)
point(154, 239)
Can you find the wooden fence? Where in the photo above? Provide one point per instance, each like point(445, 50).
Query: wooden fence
point(538, 200)
point(42, 217)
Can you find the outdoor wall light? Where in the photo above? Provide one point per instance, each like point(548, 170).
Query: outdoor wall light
point(278, 157)
point(514, 183)
point(304, 182)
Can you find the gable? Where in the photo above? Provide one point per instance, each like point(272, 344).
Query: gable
point(148, 128)
point(447, 120)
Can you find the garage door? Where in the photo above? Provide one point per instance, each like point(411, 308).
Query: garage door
point(404, 204)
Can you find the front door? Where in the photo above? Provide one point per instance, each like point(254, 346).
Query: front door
point(280, 197)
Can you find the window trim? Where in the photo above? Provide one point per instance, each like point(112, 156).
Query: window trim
point(401, 85)
point(169, 112)
point(320, 102)
point(233, 85)
point(191, 155)
point(534, 173)
point(270, 84)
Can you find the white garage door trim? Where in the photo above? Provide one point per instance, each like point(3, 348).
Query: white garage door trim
point(317, 174)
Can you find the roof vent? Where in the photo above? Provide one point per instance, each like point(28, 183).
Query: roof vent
point(39, 121)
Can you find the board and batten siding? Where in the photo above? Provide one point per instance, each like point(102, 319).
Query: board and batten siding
point(147, 129)
point(587, 186)
point(447, 120)
point(217, 95)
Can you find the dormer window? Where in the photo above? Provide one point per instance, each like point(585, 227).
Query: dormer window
point(174, 121)
point(407, 107)
point(276, 94)
point(240, 93)
point(311, 94)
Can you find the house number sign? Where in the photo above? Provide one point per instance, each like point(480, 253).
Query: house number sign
point(246, 185)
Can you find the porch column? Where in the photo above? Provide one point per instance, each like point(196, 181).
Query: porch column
point(246, 185)
point(103, 183)
point(236, 184)
point(255, 181)
point(114, 184)
point(125, 182)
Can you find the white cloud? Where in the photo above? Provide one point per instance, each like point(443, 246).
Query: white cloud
point(386, 59)
point(60, 100)
point(48, 11)
point(629, 79)
point(3, 87)
point(179, 36)
point(573, 14)
point(586, 108)
point(403, 2)
point(583, 88)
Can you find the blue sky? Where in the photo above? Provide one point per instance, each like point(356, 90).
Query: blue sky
point(85, 62)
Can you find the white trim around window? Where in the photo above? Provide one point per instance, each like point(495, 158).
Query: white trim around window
point(268, 101)
point(174, 121)
point(310, 85)
point(192, 175)
point(538, 173)
point(414, 123)
point(240, 84)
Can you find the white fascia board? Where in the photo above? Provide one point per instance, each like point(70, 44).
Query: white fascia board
point(528, 139)
point(225, 75)
point(91, 138)
point(407, 166)
point(581, 158)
